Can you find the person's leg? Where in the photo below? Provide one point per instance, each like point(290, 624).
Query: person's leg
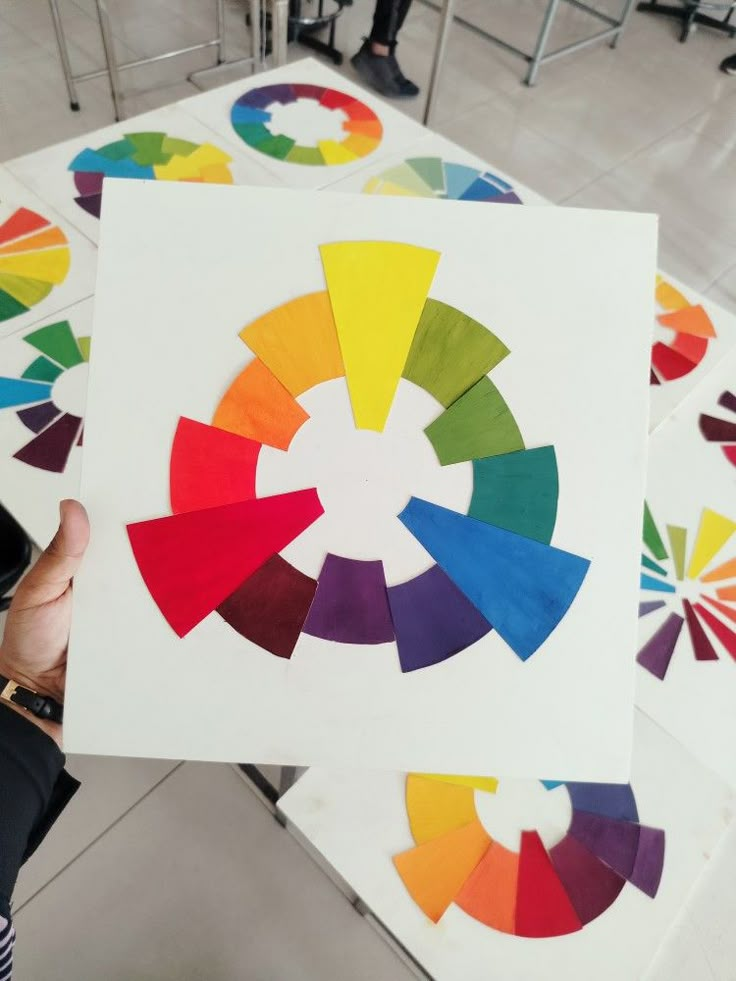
point(728, 65)
point(376, 61)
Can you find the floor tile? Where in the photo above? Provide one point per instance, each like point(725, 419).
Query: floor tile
point(198, 882)
point(723, 290)
point(110, 787)
point(718, 122)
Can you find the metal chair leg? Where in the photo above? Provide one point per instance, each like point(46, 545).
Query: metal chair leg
point(220, 15)
point(64, 56)
point(279, 28)
point(112, 66)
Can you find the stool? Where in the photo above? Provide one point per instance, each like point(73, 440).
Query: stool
point(690, 12)
point(301, 27)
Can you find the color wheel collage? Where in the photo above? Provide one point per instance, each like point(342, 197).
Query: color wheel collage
point(483, 558)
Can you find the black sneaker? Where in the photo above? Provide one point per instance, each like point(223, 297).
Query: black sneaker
point(728, 65)
point(382, 73)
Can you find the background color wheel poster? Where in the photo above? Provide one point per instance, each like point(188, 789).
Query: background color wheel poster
point(704, 564)
point(34, 257)
point(692, 327)
point(532, 892)
point(146, 156)
point(432, 177)
point(252, 120)
point(219, 550)
point(54, 431)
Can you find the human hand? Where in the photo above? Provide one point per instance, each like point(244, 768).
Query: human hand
point(33, 649)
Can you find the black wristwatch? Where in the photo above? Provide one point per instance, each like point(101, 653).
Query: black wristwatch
point(42, 706)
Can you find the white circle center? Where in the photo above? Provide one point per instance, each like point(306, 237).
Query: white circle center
point(664, 334)
point(69, 392)
point(364, 479)
point(306, 122)
point(524, 805)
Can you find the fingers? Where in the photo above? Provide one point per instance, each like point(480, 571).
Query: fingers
point(51, 575)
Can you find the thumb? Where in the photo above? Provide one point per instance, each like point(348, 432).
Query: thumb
point(51, 575)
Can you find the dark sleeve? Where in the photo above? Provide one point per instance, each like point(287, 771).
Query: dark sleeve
point(34, 790)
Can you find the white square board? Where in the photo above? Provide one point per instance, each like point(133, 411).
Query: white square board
point(169, 348)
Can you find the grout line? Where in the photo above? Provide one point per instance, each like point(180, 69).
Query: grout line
point(102, 834)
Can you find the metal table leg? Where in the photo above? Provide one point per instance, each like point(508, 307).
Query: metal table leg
point(112, 66)
point(64, 56)
point(220, 15)
point(255, 16)
point(628, 7)
point(279, 30)
point(549, 16)
point(446, 16)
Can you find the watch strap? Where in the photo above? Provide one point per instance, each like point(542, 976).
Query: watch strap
point(42, 706)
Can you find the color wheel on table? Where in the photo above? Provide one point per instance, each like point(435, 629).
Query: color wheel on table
point(54, 432)
point(716, 429)
point(535, 891)
point(34, 257)
point(668, 572)
point(146, 156)
point(494, 566)
point(432, 177)
point(692, 328)
point(252, 120)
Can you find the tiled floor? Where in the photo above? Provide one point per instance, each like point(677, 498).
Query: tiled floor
point(164, 871)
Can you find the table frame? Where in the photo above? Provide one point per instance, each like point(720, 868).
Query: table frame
point(535, 59)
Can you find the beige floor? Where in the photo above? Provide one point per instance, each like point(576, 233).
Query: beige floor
point(163, 871)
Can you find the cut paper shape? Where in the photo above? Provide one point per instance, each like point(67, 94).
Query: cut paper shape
point(652, 537)
point(297, 341)
point(435, 871)
point(34, 257)
point(647, 582)
point(651, 564)
point(43, 370)
point(450, 352)
point(436, 807)
point(57, 342)
point(590, 885)
point(614, 842)
point(258, 407)
point(37, 417)
point(649, 862)
point(192, 562)
point(479, 424)
point(251, 119)
point(210, 466)
point(702, 647)
point(522, 587)
point(517, 491)
point(351, 605)
point(657, 653)
point(51, 448)
point(432, 619)
point(270, 607)
point(645, 608)
point(678, 547)
point(717, 430)
point(543, 908)
point(18, 391)
point(613, 800)
point(489, 894)
point(713, 533)
point(376, 326)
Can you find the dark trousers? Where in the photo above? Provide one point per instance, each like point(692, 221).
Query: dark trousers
point(388, 17)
